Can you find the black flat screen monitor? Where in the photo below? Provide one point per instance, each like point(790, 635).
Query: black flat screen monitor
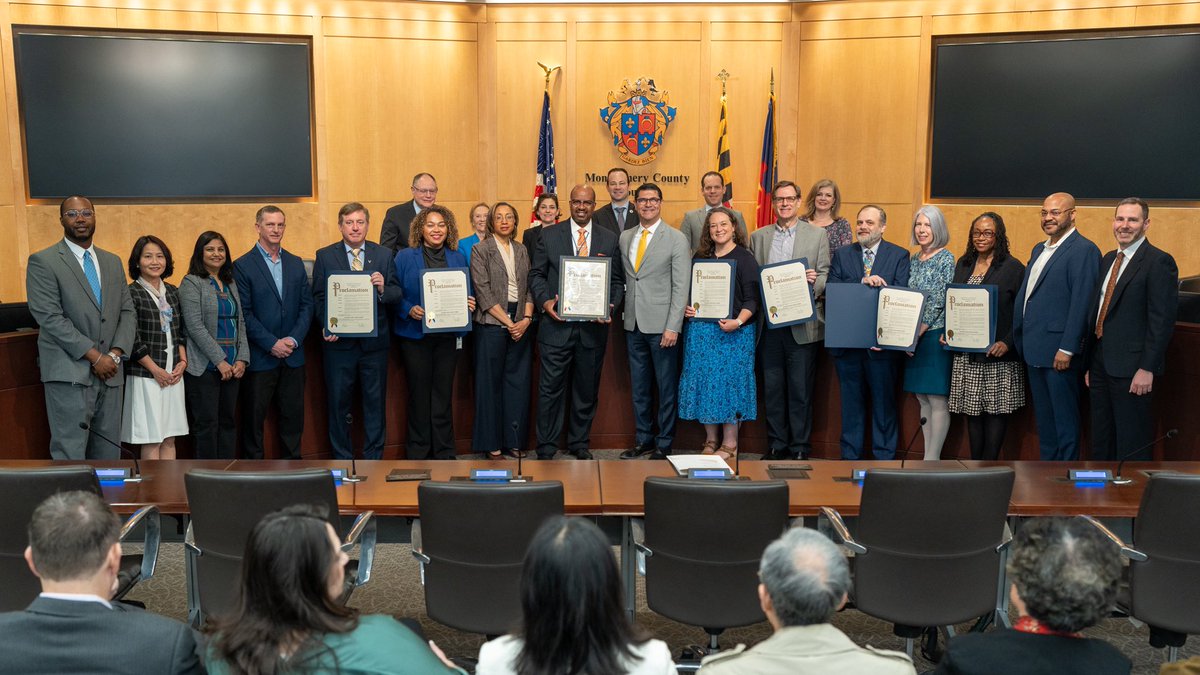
point(132, 115)
point(1101, 117)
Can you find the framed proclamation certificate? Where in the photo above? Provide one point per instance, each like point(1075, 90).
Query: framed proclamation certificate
point(350, 302)
point(444, 294)
point(583, 288)
point(787, 295)
point(712, 289)
point(971, 317)
point(898, 318)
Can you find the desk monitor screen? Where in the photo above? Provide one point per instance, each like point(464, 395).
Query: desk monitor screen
point(1101, 475)
point(112, 474)
point(858, 475)
point(338, 474)
point(491, 474)
point(710, 474)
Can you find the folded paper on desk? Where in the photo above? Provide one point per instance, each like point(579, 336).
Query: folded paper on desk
point(682, 463)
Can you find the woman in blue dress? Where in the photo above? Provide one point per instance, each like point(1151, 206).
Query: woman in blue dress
point(927, 373)
point(717, 385)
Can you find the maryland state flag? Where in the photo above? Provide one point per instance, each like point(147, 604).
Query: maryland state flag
point(723, 167)
point(768, 168)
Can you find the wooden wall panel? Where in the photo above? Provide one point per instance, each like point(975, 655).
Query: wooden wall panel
point(519, 86)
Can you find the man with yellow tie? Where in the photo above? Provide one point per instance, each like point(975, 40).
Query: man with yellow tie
point(657, 262)
point(361, 361)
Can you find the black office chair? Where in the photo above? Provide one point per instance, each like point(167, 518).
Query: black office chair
point(22, 490)
point(225, 507)
point(929, 547)
point(702, 544)
point(471, 541)
point(1164, 572)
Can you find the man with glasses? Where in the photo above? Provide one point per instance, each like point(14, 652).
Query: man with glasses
point(1050, 322)
point(570, 350)
point(86, 321)
point(394, 233)
point(657, 264)
point(789, 354)
point(618, 215)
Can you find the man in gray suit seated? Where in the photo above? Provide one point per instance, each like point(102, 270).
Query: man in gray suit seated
point(72, 627)
point(86, 321)
point(712, 187)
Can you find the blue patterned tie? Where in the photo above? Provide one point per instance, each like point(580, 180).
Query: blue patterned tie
point(89, 271)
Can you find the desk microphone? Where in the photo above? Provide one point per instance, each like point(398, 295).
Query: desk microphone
point(737, 456)
point(353, 477)
point(911, 441)
point(137, 469)
point(1126, 481)
point(520, 453)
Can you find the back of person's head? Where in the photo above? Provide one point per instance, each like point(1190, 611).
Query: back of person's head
point(284, 605)
point(806, 577)
point(571, 600)
point(71, 535)
point(1066, 572)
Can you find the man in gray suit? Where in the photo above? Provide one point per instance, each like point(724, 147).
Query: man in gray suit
point(72, 627)
point(712, 187)
point(789, 354)
point(657, 263)
point(86, 321)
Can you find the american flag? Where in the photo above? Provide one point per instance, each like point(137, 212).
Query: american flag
point(545, 180)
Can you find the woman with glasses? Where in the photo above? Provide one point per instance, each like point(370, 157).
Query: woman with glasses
point(989, 387)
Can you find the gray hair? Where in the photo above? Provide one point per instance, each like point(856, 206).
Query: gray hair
point(1066, 571)
point(806, 577)
point(70, 534)
point(937, 223)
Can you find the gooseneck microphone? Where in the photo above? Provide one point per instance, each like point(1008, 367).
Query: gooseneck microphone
point(520, 476)
point(137, 468)
point(1126, 481)
point(737, 455)
point(353, 477)
point(911, 441)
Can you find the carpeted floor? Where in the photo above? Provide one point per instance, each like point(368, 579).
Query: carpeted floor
point(395, 589)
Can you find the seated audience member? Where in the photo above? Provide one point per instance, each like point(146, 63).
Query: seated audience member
point(1065, 575)
point(804, 582)
point(573, 620)
point(72, 627)
point(288, 618)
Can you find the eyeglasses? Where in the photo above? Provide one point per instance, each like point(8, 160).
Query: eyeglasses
point(86, 213)
point(1056, 212)
point(983, 235)
point(582, 202)
point(785, 200)
point(650, 201)
point(424, 191)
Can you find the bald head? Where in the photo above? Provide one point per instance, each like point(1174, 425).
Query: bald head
point(583, 203)
point(1058, 216)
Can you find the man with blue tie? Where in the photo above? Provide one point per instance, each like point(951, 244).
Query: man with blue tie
point(86, 320)
point(361, 361)
point(618, 215)
point(657, 264)
point(1050, 322)
point(278, 307)
point(877, 263)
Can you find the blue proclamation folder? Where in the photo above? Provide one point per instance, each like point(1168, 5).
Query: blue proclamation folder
point(850, 315)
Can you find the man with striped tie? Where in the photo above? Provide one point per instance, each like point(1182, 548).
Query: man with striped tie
point(361, 361)
point(85, 316)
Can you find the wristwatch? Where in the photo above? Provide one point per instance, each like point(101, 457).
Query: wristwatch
point(116, 359)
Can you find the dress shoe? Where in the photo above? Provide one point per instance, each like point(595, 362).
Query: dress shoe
point(659, 454)
point(778, 456)
point(544, 456)
point(496, 456)
point(583, 454)
point(515, 453)
point(638, 451)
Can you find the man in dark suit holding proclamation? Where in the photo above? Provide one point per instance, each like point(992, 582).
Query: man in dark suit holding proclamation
point(79, 297)
point(1050, 321)
point(356, 360)
point(1134, 310)
point(394, 234)
point(877, 263)
point(72, 627)
point(571, 350)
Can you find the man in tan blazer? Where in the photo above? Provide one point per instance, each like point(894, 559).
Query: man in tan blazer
point(789, 354)
point(657, 263)
point(712, 187)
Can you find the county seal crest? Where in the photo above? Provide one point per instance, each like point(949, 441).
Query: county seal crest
point(638, 118)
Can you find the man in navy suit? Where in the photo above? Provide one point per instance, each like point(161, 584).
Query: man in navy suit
point(618, 215)
point(394, 233)
point(571, 350)
point(1050, 322)
point(278, 307)
point(1134, 309)
point(877, 263)
point(356, 360)
point(73, 627)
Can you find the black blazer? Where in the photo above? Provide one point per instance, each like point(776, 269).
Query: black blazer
point(394, 233)
point(1006, 275)
point(150, 340)
point(1141, 314)
point(332, 259)
point(1005, 651)
point(606, 217)
point(55, 636)
point(554, 243)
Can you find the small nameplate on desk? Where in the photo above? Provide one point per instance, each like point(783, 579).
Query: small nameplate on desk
point(1090, 475)
point(710, 474)
point(112, 474)
point(491, 475)
point(406, 475)
point(787, 473)
point(789, 467)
